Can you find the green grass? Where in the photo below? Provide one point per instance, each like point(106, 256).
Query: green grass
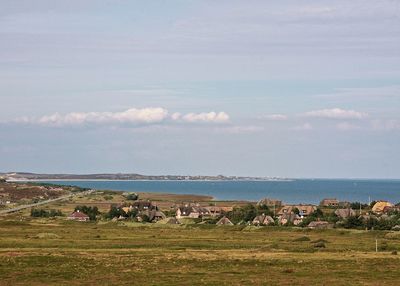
point(58, 252)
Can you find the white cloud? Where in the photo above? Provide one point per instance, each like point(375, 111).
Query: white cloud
point(151, 115)
point(133, 115)
point(176, 116)
point(275, 117)
point(336, 113)
point(219, 117)
point(303, 127)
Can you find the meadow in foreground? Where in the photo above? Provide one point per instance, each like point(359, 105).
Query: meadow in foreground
point(58, 252)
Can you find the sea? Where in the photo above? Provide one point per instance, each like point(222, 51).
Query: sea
point(310, 191)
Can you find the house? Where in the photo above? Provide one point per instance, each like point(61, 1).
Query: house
point(155, 216)
point(330, 202)
point(320, 225)
point(270, 202)
point(143, 205)
point(78, 216)
point(379, 206)
point(214, 211)
point(289, 218)
point(224, 221)
point(388, 209)
point(304, 210)
point(263, 220)
point(345, 213)
point(192, 211)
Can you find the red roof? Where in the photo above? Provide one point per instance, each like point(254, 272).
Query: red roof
point(78, 215)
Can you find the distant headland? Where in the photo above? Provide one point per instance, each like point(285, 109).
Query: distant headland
point(131, 176)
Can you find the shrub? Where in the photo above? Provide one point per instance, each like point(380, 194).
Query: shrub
point(319, 245)
point(115, 212)
point(302, 238)
point(108, 197)
point(132, 197)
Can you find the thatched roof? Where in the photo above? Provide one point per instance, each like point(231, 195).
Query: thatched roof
point(319, 224)
point(380, 206)
point(263, 219)
point(224, 221)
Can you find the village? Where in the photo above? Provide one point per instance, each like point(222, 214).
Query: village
point(267, 212)
point(117, 206)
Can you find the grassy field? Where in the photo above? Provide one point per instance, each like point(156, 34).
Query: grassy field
point(58, 252)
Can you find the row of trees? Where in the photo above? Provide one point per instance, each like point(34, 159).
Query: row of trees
point(45, 213)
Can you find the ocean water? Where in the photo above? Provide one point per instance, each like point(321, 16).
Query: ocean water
point(294, 191)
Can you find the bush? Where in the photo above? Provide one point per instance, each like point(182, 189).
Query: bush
point(319, 245)
point(108, 197)
point(302, 238)
point(353, 222)
point(115, 212)
point(132, 197)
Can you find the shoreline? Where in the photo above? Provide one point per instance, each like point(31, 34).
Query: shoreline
point(144, 180)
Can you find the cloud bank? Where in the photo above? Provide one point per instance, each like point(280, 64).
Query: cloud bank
point(150, 115)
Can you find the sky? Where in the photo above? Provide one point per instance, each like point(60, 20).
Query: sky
point(302, 89)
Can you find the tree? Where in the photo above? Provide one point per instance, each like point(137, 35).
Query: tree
point(353, 222)
point(45, 213)
point(245, 213)
point(115, 212)
point(264, 209)
point(132, 197)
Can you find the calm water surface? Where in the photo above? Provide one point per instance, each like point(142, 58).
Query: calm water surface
point(295, 191)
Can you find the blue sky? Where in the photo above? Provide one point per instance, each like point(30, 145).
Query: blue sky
point(263, 88)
